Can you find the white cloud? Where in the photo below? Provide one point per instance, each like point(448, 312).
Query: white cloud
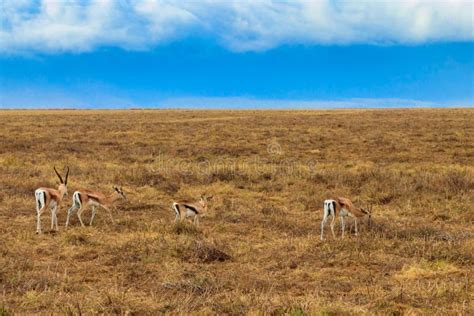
point(51, 26)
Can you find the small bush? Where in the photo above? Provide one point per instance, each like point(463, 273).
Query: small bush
point(202, 251)
point(77, 239)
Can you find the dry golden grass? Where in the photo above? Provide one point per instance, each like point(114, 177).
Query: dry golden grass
point(258, 249)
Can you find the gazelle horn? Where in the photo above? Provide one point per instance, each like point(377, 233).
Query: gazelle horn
point(67, 175)
point(59, 176)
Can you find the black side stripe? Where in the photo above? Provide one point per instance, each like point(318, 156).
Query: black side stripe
point(333, 203)
point(191, 208)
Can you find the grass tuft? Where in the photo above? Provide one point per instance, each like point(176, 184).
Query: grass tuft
point(203, 251)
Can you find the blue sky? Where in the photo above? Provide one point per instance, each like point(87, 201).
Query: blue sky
point(324, 54)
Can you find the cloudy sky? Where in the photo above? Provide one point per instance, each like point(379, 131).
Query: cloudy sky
point(279, 54)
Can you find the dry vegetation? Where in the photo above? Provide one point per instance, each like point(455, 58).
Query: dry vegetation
point(258, 248)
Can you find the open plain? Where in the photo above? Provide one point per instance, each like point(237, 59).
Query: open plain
point(257, 250)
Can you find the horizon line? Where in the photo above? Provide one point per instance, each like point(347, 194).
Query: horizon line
point(233, 109)
point(106, 102)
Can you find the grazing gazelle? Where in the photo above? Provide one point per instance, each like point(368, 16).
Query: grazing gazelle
point(83, 198)
point(47, 197)
point(342, 207)
point(191, 209)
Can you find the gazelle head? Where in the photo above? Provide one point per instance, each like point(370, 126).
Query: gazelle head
point(120, 193)
point(62, 188)
point(368, 210)
point(205, 200)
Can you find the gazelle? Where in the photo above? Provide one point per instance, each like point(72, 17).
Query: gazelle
point(48, 197)
point(191, 209)
point(83, 198)
point(343, 207)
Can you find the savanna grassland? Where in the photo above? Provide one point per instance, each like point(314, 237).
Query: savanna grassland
point(257, 250)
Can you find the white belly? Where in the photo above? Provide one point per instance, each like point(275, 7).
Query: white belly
point(93, 203)
point(344, 212)
point(190, 213)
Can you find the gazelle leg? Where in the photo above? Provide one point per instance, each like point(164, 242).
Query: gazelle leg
point(355, 220)
point(190, 219)
point(69, 213)
point(323, 223)
point(343, 226)
point(53, 214)
point(38, 219)
point(110, 213)
point(56, 211)
point(333, 222)
point(196, 220)
point(79, 213)
point(94, 210)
